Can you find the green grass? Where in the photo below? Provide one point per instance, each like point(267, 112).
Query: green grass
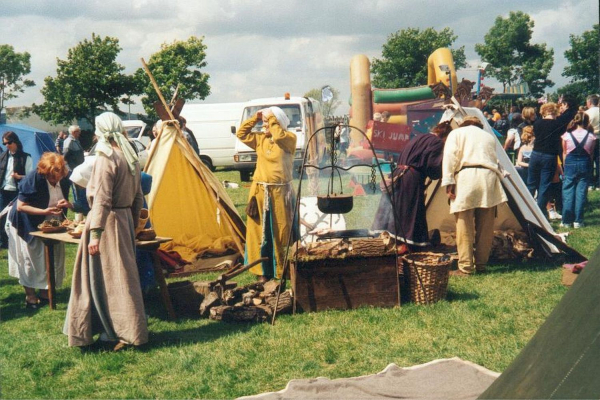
point(486, 319)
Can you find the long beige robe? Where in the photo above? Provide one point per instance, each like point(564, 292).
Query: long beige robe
point(106, 296)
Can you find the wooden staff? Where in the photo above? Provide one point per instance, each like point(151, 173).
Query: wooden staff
point(157, 89)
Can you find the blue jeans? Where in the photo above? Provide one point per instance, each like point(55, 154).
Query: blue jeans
point(578, 172)
point(542, 168)
point(80, 202)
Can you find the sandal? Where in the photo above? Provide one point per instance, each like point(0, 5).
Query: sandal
point(33, 306)
point(122, 346)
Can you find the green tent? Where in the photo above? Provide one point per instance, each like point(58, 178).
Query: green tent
point(562, 360)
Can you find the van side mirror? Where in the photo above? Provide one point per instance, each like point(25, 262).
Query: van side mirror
point(233, 129)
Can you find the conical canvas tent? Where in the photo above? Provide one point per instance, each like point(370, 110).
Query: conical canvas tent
point(562, 360)
point(520, 214)
point(187, 202)
point(35, 141)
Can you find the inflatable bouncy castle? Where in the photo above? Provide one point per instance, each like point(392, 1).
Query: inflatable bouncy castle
point(366, 100)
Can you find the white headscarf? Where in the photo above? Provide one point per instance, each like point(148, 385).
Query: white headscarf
point(282, 118)
point(109, 126)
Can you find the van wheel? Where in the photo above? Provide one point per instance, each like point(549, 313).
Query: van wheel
point(296, 172)
point(208, 163)
point(245, 176)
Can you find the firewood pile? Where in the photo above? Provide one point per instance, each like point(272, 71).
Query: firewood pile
point(342, 248)
point(251, 303)
point(506, 245)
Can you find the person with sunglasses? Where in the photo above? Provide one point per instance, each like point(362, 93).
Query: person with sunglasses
point(14, 165)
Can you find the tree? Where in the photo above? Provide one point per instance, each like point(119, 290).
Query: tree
point(87, 83)
point(177, 66)
point(577, 90)
point(583, 58)
point(405, 54)
point(329, 107)
point(512, 57)
point(13, 67)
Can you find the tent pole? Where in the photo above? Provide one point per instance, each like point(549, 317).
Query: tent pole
point(157, 89)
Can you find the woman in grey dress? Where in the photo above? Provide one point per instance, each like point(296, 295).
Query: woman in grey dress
point(106, 298)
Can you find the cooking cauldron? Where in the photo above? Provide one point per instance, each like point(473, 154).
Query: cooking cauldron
point(335, 203)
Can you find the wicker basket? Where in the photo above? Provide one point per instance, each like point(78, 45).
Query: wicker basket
point(425, 277)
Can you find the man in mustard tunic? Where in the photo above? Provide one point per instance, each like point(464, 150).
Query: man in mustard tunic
point(268, 230)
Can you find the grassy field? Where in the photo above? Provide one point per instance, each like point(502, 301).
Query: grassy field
point(486, 319)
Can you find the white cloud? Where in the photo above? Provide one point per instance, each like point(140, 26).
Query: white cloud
point(267, 47)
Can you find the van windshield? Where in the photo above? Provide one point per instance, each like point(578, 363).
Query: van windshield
point(133, 131)
point(291, 110)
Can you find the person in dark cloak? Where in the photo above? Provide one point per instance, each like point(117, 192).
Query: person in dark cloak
point(420, 159)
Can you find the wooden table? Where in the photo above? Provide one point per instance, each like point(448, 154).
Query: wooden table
point(50, 239)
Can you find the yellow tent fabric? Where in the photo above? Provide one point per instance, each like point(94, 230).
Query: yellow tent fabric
point(187, 202)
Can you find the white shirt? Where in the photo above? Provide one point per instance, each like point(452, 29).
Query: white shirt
point(514, 132)
point(56, 195)
point(594, 115)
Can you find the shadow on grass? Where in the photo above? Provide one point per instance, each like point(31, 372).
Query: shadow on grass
point(453, 296)
point(175, 338)
point(13, 305)
point(7, 282)
point(202, 334)
point(537, 265)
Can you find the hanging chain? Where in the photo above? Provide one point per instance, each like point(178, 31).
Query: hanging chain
point(335, 145)
point(373, 179)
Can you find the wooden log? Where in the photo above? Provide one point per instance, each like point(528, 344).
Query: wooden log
point(258, 286)
point(203, 287)
point(370, 248)
point(266, 308)
point(248, 296)
point(347, 248)
point(285, 302)
point(257, 301)
point(233, 296)
point(238, 314)
point(209, 302)
point(271, 287)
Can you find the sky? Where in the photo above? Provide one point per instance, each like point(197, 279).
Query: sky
point(264, 48)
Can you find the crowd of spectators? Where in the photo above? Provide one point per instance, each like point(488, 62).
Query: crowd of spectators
point(555, 153)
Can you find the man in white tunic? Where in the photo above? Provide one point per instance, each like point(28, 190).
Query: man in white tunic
point(472, 178)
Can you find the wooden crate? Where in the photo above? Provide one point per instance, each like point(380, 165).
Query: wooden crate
point(345, 283)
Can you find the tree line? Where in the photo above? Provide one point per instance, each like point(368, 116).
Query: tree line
point(90, 80)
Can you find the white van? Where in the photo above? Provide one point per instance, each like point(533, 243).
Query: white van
point(305, 119)
point(136, 129)
point(211, 124)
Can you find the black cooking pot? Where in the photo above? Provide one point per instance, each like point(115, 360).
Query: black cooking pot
point(335, 203)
